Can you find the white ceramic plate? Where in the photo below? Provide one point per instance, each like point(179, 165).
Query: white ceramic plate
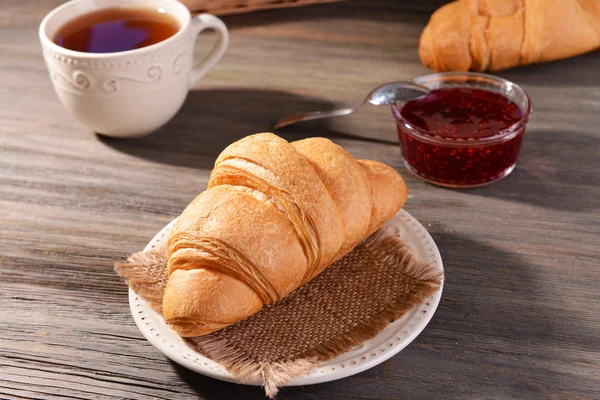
point(387, 343)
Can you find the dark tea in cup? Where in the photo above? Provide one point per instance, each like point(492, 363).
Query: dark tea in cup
point(112, 30)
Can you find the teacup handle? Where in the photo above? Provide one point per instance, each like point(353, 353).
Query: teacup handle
point(200, 23)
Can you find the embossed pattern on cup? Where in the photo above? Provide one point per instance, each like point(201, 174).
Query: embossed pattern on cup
point(136, 74)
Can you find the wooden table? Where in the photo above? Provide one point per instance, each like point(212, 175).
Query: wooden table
point(520, 314)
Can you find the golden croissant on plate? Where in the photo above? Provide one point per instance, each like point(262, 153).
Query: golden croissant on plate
point(492, 35)
point(275, 214)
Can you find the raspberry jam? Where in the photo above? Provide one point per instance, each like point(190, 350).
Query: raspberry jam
point(461, 136)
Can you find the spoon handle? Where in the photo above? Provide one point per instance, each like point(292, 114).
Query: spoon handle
point(292, 119)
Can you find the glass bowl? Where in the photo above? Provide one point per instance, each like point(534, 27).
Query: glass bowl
point(470, 161)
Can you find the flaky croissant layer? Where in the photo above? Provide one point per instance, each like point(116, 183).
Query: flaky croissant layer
point(275, 214)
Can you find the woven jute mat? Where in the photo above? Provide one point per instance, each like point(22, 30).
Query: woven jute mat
point(350, 302)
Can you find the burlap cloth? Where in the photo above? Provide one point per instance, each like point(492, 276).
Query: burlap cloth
point(350, 302)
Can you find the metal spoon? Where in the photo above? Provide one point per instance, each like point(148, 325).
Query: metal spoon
point(389, 93)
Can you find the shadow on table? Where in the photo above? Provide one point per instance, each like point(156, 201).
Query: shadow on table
point(494, 306)
point(580, 71)
point(213, 388)
point(556, 169)
point(212, 119)
point(488, 287)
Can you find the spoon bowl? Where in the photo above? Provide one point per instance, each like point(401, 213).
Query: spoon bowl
point(396, 92)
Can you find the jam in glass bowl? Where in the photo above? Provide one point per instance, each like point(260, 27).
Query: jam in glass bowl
point(466, 132)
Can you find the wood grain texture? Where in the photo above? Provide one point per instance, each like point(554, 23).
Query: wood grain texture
point(519, 317)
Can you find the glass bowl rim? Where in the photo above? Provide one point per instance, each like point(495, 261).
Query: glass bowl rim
point(503, 135)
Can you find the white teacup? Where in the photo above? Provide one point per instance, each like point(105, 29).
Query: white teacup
point(130, 93)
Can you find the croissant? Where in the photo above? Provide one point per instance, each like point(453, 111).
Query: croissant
point(493, 35)
point(275, 214)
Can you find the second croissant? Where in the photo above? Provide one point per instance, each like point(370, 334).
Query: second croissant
point(492, 35)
